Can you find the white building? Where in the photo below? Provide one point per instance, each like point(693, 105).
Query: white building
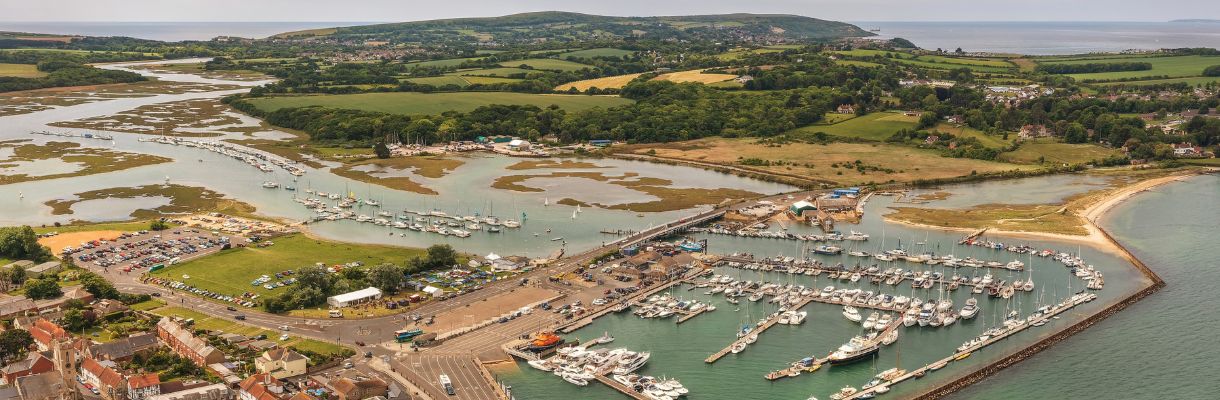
point(356, 297)
point(519, 145)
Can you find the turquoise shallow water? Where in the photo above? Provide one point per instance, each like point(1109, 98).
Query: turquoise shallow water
point(1163, 347)
point(678, 351)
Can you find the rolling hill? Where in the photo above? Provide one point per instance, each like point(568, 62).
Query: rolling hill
point(566, 26)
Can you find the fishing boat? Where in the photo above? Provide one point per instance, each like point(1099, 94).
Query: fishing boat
point(270, 185)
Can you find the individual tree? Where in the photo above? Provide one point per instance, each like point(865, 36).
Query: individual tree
point(441, 256)
point(40, 289)
point(381, 150)
point(158, 225)
point(387, 277)
point(315, 277)
point(14, 343)
point(97, 286)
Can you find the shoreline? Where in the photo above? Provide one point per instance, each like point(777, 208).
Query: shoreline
point(1090, 214)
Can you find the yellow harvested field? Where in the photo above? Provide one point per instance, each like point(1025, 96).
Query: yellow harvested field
point(696, 76)
point(609, 82)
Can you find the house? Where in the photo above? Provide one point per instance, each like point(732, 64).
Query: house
point(956, 119)
point(931, 139)
point(216, 391)
point(743, 79)
point(799, 208)
point(108, 307)
point(233, 338)
point(124, 349)
point(353, 298)
point(44, 386)
point(34, 364)
point(186, 344)
point(281, 363)
point(46, 334)
point(845, 109)
point(260, 387)
point(671, 266)
point(141, 387)
point(834, 202)
point(103, 377)
point(1187, 150)
point(1033, 131)
point(358, 387)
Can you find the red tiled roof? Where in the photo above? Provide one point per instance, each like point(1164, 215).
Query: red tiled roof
point(143, 381)
point(256, 386)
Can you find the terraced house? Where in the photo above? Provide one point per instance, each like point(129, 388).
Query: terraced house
point(183, 342)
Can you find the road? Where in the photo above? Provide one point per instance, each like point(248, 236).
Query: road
point(454, 357)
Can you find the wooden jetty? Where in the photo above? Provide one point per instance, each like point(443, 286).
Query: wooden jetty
point(688, 315)
point(613, 384)
point(757, 331)
point(609, 307)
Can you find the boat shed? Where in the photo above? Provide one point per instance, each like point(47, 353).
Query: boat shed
point(801, 207)
point(356, 297)
point(519, 145)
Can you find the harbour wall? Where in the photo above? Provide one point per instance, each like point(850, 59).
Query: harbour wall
point(999, 365)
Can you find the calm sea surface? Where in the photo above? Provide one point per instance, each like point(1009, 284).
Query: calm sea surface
point(169, 31)
point(1050, 37)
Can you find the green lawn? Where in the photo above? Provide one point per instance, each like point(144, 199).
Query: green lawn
point(1172, 66)
point(1209, 162)
point(876, 126)
point(20, 70)
point(211, 323)
point(230, 271)
point(598, 52)
point(547, 64)
point(1058, 153)
point(435, 103)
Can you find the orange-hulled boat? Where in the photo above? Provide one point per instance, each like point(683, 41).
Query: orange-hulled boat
point(543, 341)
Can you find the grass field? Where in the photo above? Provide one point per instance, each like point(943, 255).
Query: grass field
point(1192, 81)
point(1173, 67)
point(829, 163)
point(598, 52)
point(435, 103)
point(230, 271)
point(876, 126)
point(739, 53)
point(452, 62)
point(1058, 153)
point(858, 63)
point(462, 81)
point(696, 76)
point(501, 72)
point(609, 82)
point(992, 141)
point(209, 322)
point(20, 70)
point(547, 64)
point(937, 61)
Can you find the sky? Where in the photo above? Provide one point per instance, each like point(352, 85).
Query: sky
point(413, 10)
